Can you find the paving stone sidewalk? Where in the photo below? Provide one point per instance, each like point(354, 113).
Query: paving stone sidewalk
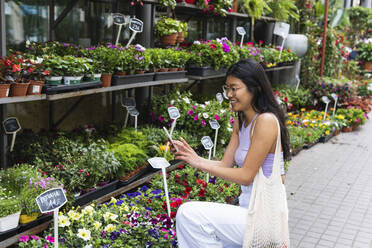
point(329, 190)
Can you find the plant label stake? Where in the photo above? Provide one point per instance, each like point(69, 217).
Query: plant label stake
point(174, 114)
point(162, 163)
point(11, 126)
point(241, 31)
point(214, 125)
point(52, 200)
point(335, 97)
point(136, 26)
point(208, 145)
point(119, 19)
point(281, 29)
point(219, 98)
point(134, 112)
point(298, 82)
point(127, 102)
point(326, 100)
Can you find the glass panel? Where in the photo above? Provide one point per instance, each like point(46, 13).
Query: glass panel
point(219, 27)
point(26, 22)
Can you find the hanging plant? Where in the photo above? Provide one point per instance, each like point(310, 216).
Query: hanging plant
point(255, 9)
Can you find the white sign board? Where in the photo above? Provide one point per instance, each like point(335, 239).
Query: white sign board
point(158, 162)
point(325, 99)
point(119, 19)
point(219, 97)
point(240, 30)
point(214, 124)
point(207, 142)
point(51, 200)
point(173, 113)
point(334, 96)
point(128, 102)
point(133, 111)
point(281, 29)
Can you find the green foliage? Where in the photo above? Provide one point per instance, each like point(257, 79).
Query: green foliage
point(53, 64)
point(74, 66)
point(169, 3)
point(360, 20)
point(167, 26)
point(255, 8)
point(352, 116)
point(52, 48)
point(109, 56)
point(9, 202)
point(365, 51)
point(283, 9)
point(300, 98)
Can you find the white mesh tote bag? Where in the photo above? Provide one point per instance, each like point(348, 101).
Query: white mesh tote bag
point(267, 225)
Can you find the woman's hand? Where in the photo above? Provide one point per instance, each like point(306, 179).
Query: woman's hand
point(186, 153)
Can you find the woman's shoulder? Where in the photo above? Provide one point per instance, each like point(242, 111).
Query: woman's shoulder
point(266, 121)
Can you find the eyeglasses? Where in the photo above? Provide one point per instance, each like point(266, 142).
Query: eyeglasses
point(227, 89)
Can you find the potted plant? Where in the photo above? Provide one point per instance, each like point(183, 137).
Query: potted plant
point(53, 65)
point(4, 86)
point(167, 29)
point(219, 7)
point(36, 75)
point(365, 54)
point(13, 71)
point(74, 69)
point(10, 209)
point(182, 32)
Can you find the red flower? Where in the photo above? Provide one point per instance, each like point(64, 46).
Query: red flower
point(260, 41)
point(213, 46)
point(181, 166)
point(30, 70)
point(220, 189)
point(81, 170)
point(201, 192)
point(88, 174)
point(211, 8)
point(16, 68)
point(46, 72)
point(8, 62)
point(149, 200)
point(173, 214)
point(173, 204)
point(308, 134)
point(188, 189)
point(285, 99)
point(20, 60)
point(184, 183)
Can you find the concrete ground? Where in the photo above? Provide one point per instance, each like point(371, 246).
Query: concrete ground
point(329, 190)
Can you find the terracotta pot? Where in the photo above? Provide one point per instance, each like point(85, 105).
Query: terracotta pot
point(163, 69)
point(4, 90)
point(337, 132)
point(18, 89)
point(35, 87)
point(235, 6)
point(169, 39)
point(173, 69)
point(181, 69)
point(24, 218)
point(151, 70)
point(139, 72)
point(347, 129)
point(367, 65)
point(355, 126)
point(180, 37)
point(121, 73)
point(106, 79)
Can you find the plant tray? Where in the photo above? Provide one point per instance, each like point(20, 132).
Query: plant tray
point(131, 79)
point(308, 146)
point(136, 174)
point(297, 151)
point(204, 71)
point(324, 139)
point(9, 233)
point(169, 75)
point(93, 195)
point(56, 89)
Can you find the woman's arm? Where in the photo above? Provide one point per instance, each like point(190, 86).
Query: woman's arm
point(263, 138)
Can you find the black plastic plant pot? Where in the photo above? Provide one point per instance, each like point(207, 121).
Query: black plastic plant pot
point(131, 79)
point(169, 75)
point(94, 195)
point(204, 71)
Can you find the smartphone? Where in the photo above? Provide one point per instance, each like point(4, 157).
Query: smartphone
point(170, 138)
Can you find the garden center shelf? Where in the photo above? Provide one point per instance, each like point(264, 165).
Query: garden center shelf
point(39, 227)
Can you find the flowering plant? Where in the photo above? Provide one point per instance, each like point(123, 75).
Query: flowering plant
point(52, 48)
point(108, 54)
point(365, 49)
point(220, 7)
point(352, 116)
point(9, 202)
point(74, 66)
point(15, 68)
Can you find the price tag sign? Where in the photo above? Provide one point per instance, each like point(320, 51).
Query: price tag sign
point(11, 125)
point(214, 124)
point(240, 30)
point(281, 29)
point(136, 25)
point(325, 99)
point(128, 102)
point(51, 200)
point(173, 113)
point(133, 111)
point(219, 97)
point(334, 96)
point(158, 162)
point(207, 142)
point(118, 18)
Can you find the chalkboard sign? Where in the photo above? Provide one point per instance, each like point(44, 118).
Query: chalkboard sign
point(214, 124)
point(119, 19)
point(240, 30)
point(133, 111)
point(51, 200)
point(173, 113)
point(135, 25)
point(11, 125)
point(158, 162)
point(219, 97)
point(207, 142)
point(128, 102)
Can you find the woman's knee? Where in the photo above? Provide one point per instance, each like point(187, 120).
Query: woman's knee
point(187, 210)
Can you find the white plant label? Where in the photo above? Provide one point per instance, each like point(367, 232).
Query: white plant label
point(7, 92)
point(281, 29)
point(133, 111)
point(35, 89)
point(128, 102)
point(334, 96)
point(173, 113)
point(240, 30)
point(158, 162)
point(207, 142)
point(219, 97)
point(325, 99)
point(214, 124)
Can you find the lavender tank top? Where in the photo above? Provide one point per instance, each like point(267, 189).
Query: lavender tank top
point(241, 153)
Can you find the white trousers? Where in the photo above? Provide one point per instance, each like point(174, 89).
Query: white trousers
point(210, 225)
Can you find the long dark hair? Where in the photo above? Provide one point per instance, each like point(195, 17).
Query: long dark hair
point(254, 77)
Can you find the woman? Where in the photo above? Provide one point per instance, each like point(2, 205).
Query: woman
point(252, 144)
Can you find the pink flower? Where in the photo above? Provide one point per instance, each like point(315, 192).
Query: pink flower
point(232, 121)
point(217, 117)
point(203, 123)
point(260, 41)
point(81, 170)
point(88, 174)
point(193, 107)
point(285, 99)
point(50, 239)
point(211, 7)
point(35, 237)
point(190, 112)
point(196, 117)
point(308, 5)
point(45, 246)
point(276, 93)
point(213, 46)
point(357, 120)
point(170, 105)
point(290, 105)
point(161, 118)
point(24, 239)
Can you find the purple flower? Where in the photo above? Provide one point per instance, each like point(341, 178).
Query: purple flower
point(190, 112)
point(141, 58)
point(155, 192)
point(144, 188)
point(193, 107)
point(161, 118)
point(203, 123)
point(35, 237)
point(225, 48)
point(212, 180)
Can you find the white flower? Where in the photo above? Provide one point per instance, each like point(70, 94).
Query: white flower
point(84, 234)
point(222, 142)
point(196, 42)
point(97, 225)
point(88, 210)
point(202, 105)
point(63, 221)
point(73, 215)
point(205, 115)
point(110, 216)
point(110, 228)
point(207, 103)
point(186, 99)
point(88, 246)
point(172, 102)
point(223, 111)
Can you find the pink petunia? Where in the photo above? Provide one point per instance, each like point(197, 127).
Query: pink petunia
point(193, 107)
point(203, 123)
point(24, 239)
point(190, 112)
point(217, 117)
point(232, 121)
point(196, 117)
point(50, 239)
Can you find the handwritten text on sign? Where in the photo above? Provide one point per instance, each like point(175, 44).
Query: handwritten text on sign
point(136, 25)
point(11, 125)
point(51, 200)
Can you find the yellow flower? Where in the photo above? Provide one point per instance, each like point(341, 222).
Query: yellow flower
point(84, 234)
point(73, 215)
point(110, 216)
point(327, 132)
point(113, 200)
point(97, 225)
point(288, 122)
point(322, 112)
point(88, 210)
point(110, 228)
point(63, 221)
point(324, 127)
point(340, 117)
point(303, 109)
point(124, 207)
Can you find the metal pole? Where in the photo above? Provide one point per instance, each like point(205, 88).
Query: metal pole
point(324, 41)
point(2, 29)
point(52, 32)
